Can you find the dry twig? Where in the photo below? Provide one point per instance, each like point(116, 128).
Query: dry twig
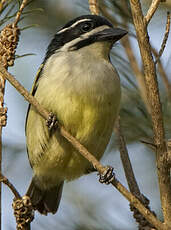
point(133, 186)
point(151, 11)
point(132, 183)
point(163, 75)
point(23, 210)
point(94, 7)
point(8, 43)
point(18, 15)
point(156, 111)
point(4, 180)
point(167, 30)
point(138, 74)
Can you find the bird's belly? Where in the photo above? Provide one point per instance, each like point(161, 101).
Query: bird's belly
point(92, 126)
point(86, 105)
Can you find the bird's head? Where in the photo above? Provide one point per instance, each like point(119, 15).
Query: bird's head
point(82, 32)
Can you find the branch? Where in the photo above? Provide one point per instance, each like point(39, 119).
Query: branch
point(156, 110)
point(18, 15)
point(132, 183)
point(23, 210)
point(169, 151)
point(166, 35)
point(94, 7)
point(151, 10)
point(133, 186)
point(97, 165)
point(134, 64)
point(4, 180)
point(8, 43)
point(163, 75)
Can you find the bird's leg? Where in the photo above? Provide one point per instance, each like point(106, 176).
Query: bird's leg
point(108, 176)
point(51, 122)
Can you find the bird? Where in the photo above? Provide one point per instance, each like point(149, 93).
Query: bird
point(79, 85)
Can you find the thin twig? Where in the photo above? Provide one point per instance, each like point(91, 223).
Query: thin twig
point(133, 186)
point(97, 165)
point(2, 82)
point(156, 110)
point(2, 91)
point(139, 206)
point(131, 180)
point(4, 180)
point(151, 10)
point(23, 210)
point(18, 203)
point(138, 74)
point(18, 15)
point(163, 75)
point(94, 7)
point(166, 35)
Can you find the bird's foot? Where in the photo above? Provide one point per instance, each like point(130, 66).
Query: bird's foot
point(51, 122)
point(108, 176)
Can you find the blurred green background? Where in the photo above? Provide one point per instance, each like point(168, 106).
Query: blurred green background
point(86, 204)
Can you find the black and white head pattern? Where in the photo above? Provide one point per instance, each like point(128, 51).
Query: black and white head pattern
point(77, 33)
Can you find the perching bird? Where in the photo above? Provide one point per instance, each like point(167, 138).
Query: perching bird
point(80, 86)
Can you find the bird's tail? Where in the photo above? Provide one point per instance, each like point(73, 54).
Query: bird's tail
point(45, 200)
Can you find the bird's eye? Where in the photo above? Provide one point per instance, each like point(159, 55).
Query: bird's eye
point(87, 26)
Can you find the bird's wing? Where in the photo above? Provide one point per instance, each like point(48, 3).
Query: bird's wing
point(33, 90)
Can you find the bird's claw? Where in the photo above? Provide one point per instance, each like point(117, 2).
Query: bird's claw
point(108, 176)
point(51, 122)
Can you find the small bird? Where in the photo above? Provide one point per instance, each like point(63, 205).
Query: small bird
point(79, 85)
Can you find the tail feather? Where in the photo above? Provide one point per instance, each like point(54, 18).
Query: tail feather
point(45, 201)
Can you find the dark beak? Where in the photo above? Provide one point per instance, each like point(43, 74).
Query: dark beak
point(111, 34)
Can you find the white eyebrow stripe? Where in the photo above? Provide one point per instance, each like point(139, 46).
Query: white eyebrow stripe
point(70, 44)
point(73, 25)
